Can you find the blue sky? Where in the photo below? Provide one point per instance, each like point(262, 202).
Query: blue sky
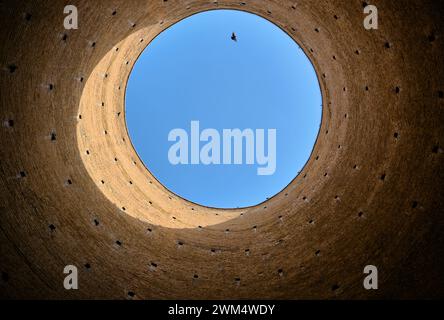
point(194, 71)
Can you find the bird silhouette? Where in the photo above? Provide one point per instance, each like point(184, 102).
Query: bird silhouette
point(233, 37)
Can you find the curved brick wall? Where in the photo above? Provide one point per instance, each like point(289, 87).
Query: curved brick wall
point(73, 190)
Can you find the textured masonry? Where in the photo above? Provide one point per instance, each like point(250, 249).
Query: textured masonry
point(73, 190)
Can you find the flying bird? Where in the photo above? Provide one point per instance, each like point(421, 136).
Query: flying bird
point(233, 37)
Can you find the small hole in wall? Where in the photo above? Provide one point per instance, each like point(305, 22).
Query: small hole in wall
point(318, 253)
point(130, 182)
point(87, 152)
point(64, 37)
point(50, 86)
point(93, 44)
point(396, 135)
point(87, 266)
point(10, 123)
point(357, 52)
point(436, 149)
point(317, 29)
point(247, 252)
point(280, 272)
point(366, 88)
point(311, 221)
point(5, 276)
point(119, 243)
point(360, 214)
point(440, 94)
point(336, 17)
point(96, 222)
point(153, 266)
point(69, 181)
point(174, 218)
point(387, 45)
point(431, 37)
point(52, 227)
point(149, 230)
point(53, 136)
point(334, 287)
point(27, 16)
point(80, 116)
point(102, 181)
point(397, 89)
point(195, 276)
point(22, 174)
point(382, 177)
point(414, 204)
point(131, 294)
point(237, 281)
point(114, 12)
point(12, 68)
point(123, 208)
point(355, 166)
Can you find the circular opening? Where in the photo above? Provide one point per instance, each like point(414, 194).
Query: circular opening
point(223, 108)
